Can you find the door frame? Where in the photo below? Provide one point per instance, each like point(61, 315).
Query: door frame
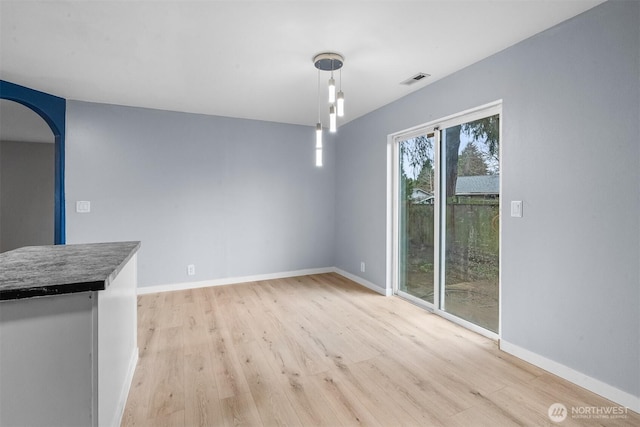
point(53, 110)
point(393, 218)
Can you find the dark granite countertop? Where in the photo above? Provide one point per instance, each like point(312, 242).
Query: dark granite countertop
point(36, 271)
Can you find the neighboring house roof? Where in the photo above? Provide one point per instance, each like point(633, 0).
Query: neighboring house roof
point(465, 186)
point(419, 193)
point(484, 184)
point(421, 197)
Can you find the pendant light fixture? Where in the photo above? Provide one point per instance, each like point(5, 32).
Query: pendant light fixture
point(332, 118)
point(319, 130)
point(332, 89)
point(319, 144)
point(329, 61)
point(340, 99)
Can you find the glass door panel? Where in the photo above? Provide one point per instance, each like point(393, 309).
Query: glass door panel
point(416, 217)
point(470, 215)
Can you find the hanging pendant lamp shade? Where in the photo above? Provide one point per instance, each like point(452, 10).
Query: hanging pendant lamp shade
point(332, 118)
point(332, 90)
point(340, 104)
point(318, 135)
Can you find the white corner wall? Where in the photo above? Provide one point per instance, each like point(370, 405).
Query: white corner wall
point(571, 152)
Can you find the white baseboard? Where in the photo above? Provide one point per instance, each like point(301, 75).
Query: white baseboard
point(231, 280)
point(359, 280)
point(596, 386)
point(271, 276)
point(124, 394)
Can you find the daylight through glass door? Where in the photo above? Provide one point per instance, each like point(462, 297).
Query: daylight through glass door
point(417, 216)
point(448, 213)
point(470, 215)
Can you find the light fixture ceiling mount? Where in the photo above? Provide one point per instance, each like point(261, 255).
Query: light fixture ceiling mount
point(328, 61)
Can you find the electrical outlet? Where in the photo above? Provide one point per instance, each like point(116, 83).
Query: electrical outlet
point(362, 267)
point(191, 270)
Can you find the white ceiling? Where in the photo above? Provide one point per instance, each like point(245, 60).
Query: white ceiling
point(252, 59)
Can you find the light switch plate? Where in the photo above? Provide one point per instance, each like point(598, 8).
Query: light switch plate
point(516, 208)
point(83, 206)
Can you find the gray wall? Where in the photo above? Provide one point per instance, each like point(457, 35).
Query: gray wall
point(26, 194)
point(234, 197)
point(571, 152)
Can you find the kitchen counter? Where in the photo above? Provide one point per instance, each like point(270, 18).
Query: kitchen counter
point(36, 271)
point(68, 328)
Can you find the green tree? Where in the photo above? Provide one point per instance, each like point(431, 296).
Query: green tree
point(416, 154)
point(471, 162)
point(452, 139)
point(486, 130)
point(426, 179)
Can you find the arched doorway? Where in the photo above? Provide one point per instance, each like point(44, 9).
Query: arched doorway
point(53, 110)
point(27, 178)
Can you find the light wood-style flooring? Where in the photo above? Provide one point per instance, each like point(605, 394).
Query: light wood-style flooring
point(322, 350)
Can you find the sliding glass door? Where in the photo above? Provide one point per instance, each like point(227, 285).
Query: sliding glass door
point(448, 210)
point(417, 215)
point(470, 214)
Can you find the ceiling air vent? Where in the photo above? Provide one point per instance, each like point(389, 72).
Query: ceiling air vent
point(415, 79)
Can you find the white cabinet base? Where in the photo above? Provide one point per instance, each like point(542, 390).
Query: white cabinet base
point(68, 360)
